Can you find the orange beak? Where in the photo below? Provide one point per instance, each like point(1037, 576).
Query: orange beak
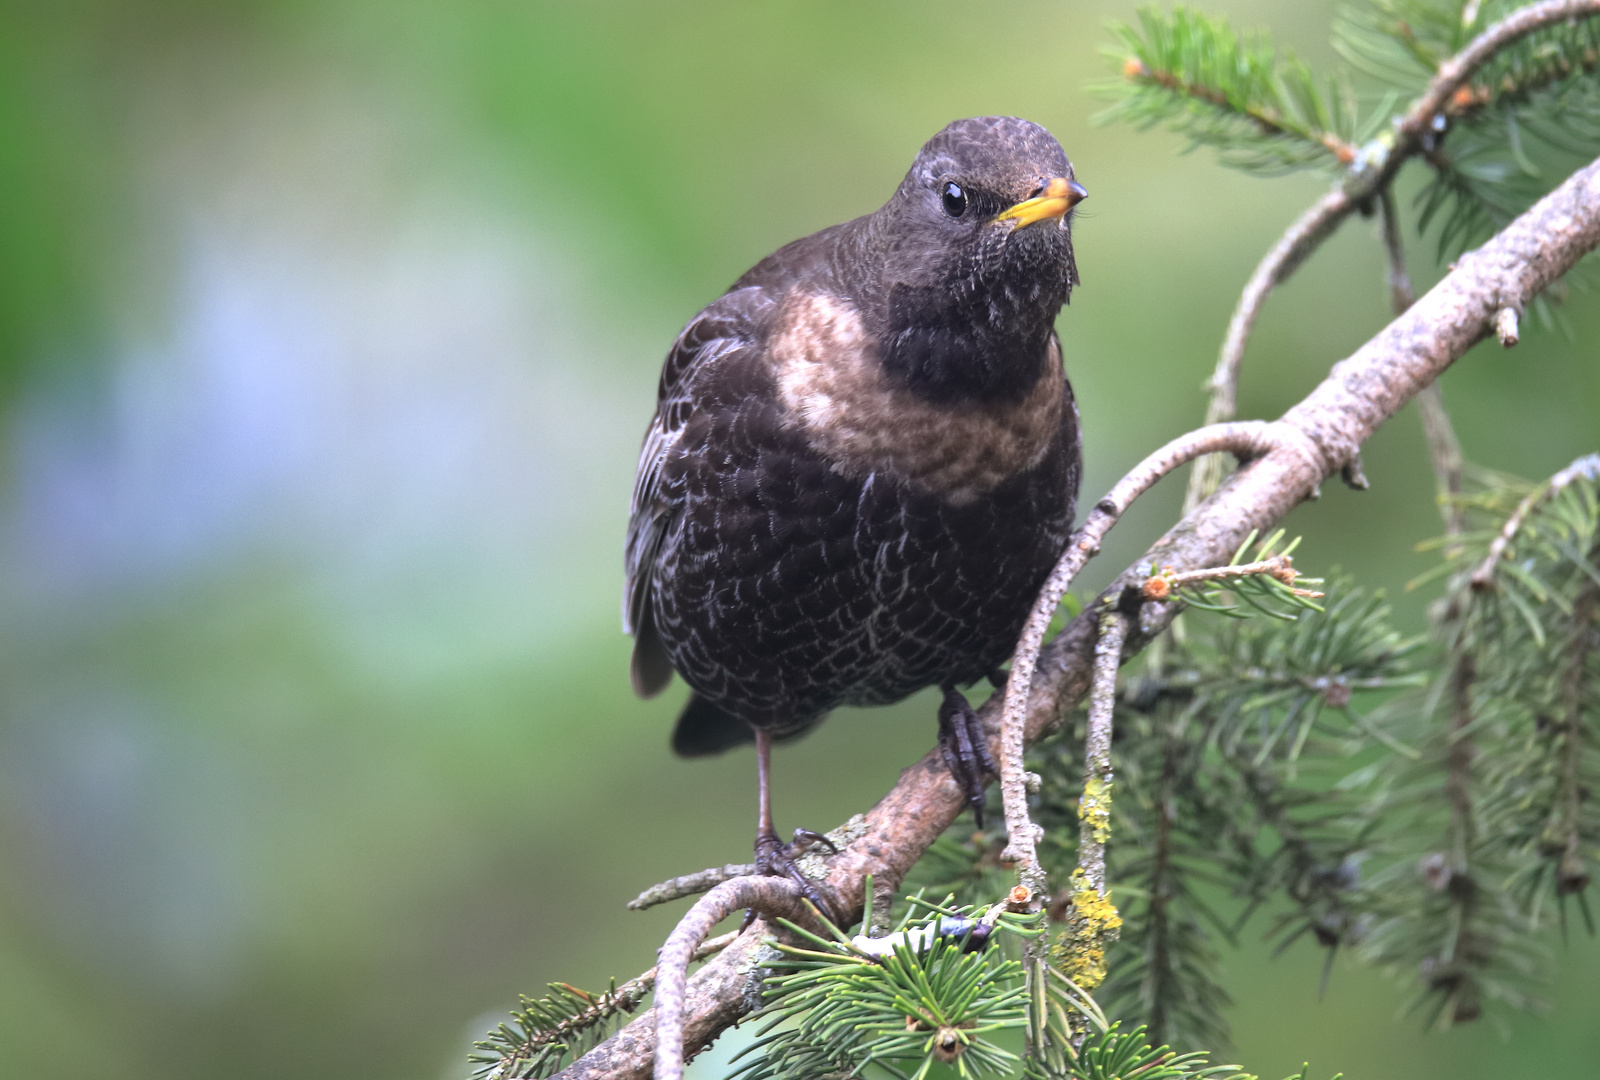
point(1059, 196)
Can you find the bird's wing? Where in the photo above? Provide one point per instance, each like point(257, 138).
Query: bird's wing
point(727, 326)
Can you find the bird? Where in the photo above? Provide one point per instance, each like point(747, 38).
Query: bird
point(863, 464)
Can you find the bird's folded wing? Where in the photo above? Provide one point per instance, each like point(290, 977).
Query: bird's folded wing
point(725, 327)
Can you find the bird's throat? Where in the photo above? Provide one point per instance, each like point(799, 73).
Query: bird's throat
point(975, 347)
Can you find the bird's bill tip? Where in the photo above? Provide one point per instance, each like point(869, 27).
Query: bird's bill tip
point(1051, 204)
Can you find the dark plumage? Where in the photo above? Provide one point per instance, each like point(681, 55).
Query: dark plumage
point(865, 454)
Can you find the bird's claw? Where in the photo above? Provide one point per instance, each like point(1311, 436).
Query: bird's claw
point(805, 838)
point(965, 746)
point(774, 858)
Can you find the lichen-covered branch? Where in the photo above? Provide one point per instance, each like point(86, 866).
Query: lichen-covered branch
point(1094, 808)
point(1312, 441)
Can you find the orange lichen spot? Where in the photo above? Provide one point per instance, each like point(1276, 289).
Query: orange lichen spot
point(1156, 588)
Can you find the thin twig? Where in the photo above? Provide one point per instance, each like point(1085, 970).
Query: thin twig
point(1369, 175)
point(1301, 239)
point(1586, 466)
point(1280, 568)
point(1311, 442)
point(1092, 921)
point(1398, 278)
point(1249, 439)
point(769, 896)
point(1268, 121)
point(1094, 822)
point(1444, 449)
point(689, 885)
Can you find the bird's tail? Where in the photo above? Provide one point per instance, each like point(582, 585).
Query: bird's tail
point(704, 729)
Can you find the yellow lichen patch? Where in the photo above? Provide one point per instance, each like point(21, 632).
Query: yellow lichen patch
point(1092, 923)
point(1094, 808)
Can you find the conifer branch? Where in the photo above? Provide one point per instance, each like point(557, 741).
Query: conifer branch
point(1587, 467)
point(1370, 174)
point(547, 1030)
point(1311, 442)
point(1448, 85)
point(1262, 110)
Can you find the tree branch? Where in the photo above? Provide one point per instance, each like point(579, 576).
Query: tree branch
point(1311, 442)
point(768, 896)
point(1370, 175)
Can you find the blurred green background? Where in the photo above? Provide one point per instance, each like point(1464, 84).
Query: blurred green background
point(327, 335)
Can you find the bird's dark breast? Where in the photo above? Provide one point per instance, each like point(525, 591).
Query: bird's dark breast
point(837, 544)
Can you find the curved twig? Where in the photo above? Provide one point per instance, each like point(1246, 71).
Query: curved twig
point(766, 895)
point(1328, 427)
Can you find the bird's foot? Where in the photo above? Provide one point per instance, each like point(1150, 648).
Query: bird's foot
point(965, 746)
point(774, 858)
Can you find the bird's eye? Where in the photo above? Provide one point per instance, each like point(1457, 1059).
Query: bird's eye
point(955, 200)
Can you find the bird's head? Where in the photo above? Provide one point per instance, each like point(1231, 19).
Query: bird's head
point(977, 255)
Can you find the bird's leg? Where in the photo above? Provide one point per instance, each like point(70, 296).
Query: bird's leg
point(774, 858)
point(965, 746)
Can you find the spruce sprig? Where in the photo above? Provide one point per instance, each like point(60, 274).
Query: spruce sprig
point(545, 1034)
point(1114, 1054)
point(1263, 109)
point(832, 1008)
